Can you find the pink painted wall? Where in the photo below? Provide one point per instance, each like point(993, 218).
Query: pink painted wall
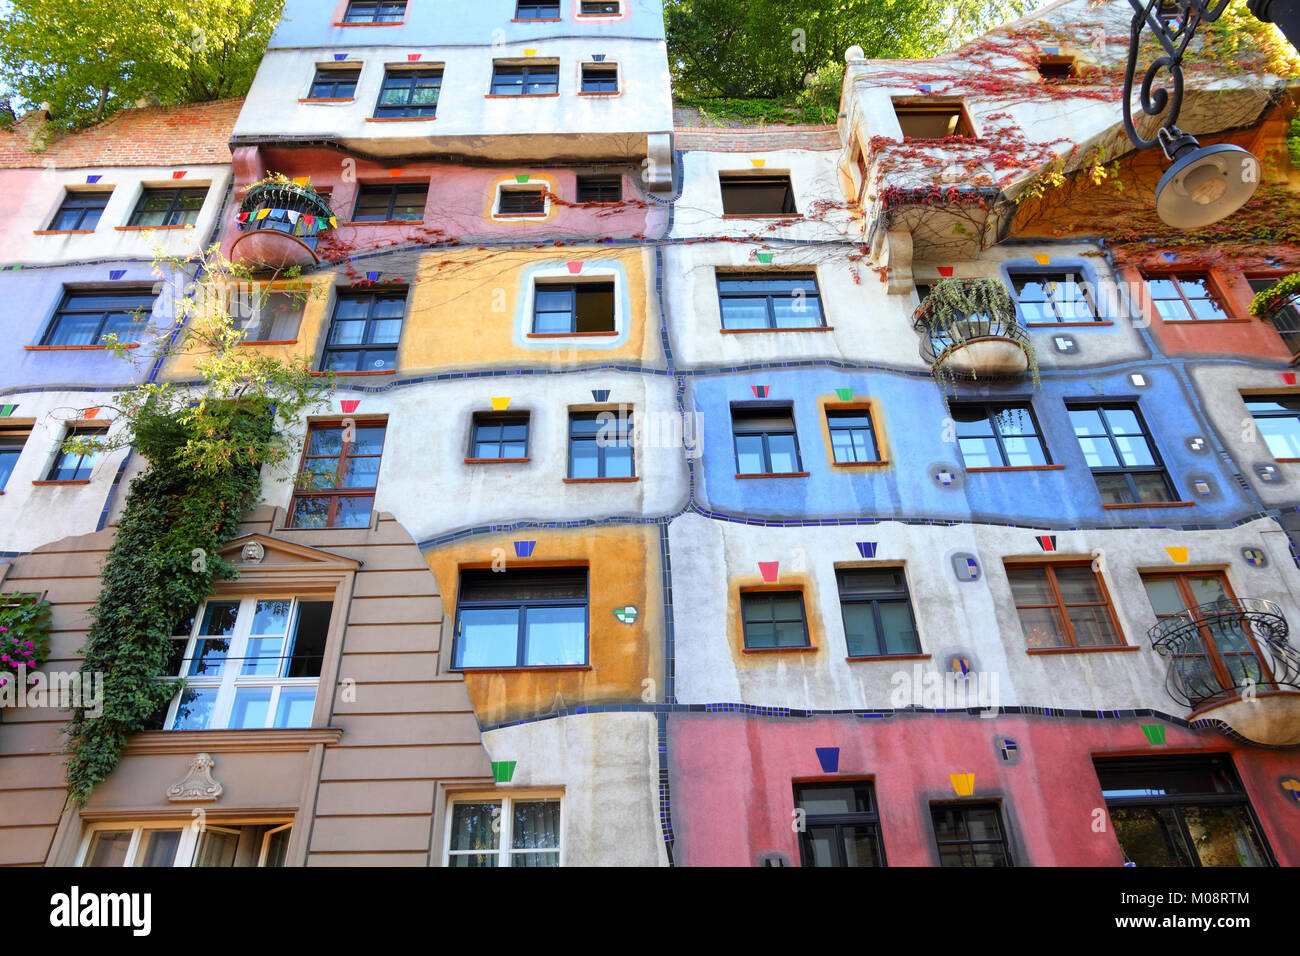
point(732, 794)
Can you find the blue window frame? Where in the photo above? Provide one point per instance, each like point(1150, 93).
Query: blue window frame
point(765, 440)
point(375, 11)
point(536, 80)
point(770, 300)
point(410, 94)
point(498, 436)
point(365, 333)
point(11, 447)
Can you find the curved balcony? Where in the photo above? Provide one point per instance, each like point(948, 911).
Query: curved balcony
point(1230, 660)
point(279, 224)
point(970, 332)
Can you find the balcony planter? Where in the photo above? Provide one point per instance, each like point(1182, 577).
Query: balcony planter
point(1279, 305)
point(1230, 661)
point(279, 224)
point(969, 332)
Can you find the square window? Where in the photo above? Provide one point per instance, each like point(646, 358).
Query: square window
point(409, 94)
point(80, 211)
point(1121, 454)
point(402, 202)
point(334, 84)
point(537, 10)
point(765, 440)
point(84, 318)
point(841, 824)
point(77, 465)
point(521, 617)
point(599, 8)
point(499, 436)
point(375, 11)
point(532, 80)
point(769, 300)
point(877, 612)
point(336, 483)
point(933, 120)
point(276, 317)
point(1277, 419)
point(853, 436)
point(998, 436)
point(772, 619)
point(1186, 297)
point(599, 78)
point(1047, 298)
point(746, 195)
point(600, 445)
point(509, 831)
point(606, 189)
point(970, 834)
point(569, 308)
point(12, 441)
point(1063, 605)
point(521, 202)
point(365, 332)
point(168, 207)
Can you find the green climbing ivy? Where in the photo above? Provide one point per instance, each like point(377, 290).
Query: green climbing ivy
point(206, 444)
point(965, 309)
point(1269, 300)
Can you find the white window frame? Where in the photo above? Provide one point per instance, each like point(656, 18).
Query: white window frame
point(231, 679)
point(190, 833)
point(504, 851)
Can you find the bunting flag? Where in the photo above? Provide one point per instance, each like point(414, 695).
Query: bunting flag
point(293, 216)
point(309, 219)
point(242, 217)
point(262, 214)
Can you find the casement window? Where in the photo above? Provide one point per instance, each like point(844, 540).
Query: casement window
point(1186, 297)
point(770, 300)
point(1277, 418)
point(168, 207)
point(506, 831)
point(1063, 605)
point(409, 94)
point(599, 78)
point(970, 834)
point(375, 11)
point(80, 211)
point(276, 317)
point(84, 318)
point(521, 202)
point(841, 824)
point(933, 120)
point(499, 437)
point(765, 440)
point(168, 843)
point(772, 619)
point(877, 612)
point(573, 308)
point(998, 436)
point(365, 332)
point(1287, 319)
point(521, 617)
point(1184, 810)
point(535, 80)
point(336, 484)
point(1121, 454)
point(537, 10)
point(12, 441)
point(397, 203)
point(1052, 298)
point(853, 436)
point(74, 465)
point(600, 445)
point(598, 8)
point(600, 189)
point(1226, 657)
point(334, 84)
point(746, 195)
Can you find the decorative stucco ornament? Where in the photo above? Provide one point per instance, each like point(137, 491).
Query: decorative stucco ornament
point(253, 553)
point(198, 785)
point(626, 615)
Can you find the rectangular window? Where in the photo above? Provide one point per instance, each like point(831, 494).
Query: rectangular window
point(1052, 298)
point(1063, 605)
point(334, 84)
point(998, 436)
point(773, 619)
point(1287, 319)
point(73, 465)
point(167, 843)
point(84, 318)
point(1056, 67)
point(521, 617)
point(168, 207)
point(80, 211)
point(12, 441)
point(375, 11)
point(336, 484)
point(1184, 297)
point(1181, 811)
point(396, 203)
point(841, 824)
point(600, 189)
point(409, 93)
point(521, 202)
point(496, 436)
point(599, 8)
point(249, 664)
point(877, 612)
point(1277, 418)
point(599, 78)
point(970, 834)
point(765, 440)
point(526, 80)
point(537, 10)
point(508, 831)
point(745, 195)
point(853, 437)
point(770, 300)
point(600, 445)
point(933, 121)
point(365, 333)
point(1121, 454)
point(573, 308)
point(275, 318)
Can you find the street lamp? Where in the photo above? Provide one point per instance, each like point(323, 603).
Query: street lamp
point(1205, 183)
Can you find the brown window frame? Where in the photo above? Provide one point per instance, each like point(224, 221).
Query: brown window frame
point(1063, 609)
point(336, 493)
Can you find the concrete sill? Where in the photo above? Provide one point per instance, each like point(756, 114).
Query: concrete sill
point(1285, 461)
point(1097, 649)
point(792, 216)
point(78, 348)
point(778, 474)
point(598, 481)
point(977, 471)
point(570, 335)
point(888, 657)
point(536, 20)
point(268, 342)
point(496, 461)
point(187, 225)
point(1150, 504)
point(600, 93)
point(391, 371)
point(506, 217)
point(230, 741)
point(78, 481)
point(806, 649)
point(63, 232)
point(810, 328)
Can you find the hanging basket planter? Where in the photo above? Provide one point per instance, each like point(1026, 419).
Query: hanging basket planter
point(970, 332)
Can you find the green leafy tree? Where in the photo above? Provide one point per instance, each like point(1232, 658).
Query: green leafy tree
point(88, 60)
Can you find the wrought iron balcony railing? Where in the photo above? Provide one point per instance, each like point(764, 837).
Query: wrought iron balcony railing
point(970, 331)
point(295, 210)
point(1224, 650)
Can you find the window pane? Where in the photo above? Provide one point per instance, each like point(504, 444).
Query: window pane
point(472, 829)
point(251, 705)
point(195, 709)
point(536, 826)
point(819, 846)
point(489, 637)
point(108, 848)
point(784, 452)
point(1043, 627)
point(158, 848)
point(1282, 435)
point(263, 656)
point(295, 707)
point(308, 648)
point(1164, 595)
point(353, 512)
point(1078, 585)
point(1152, 487)
point(860, 630)
point(584, 458)
point(1134, 451)
point(216, 848)
point(861, 846)
point(1150, 836)
point(1024, 452)
point(1092, 626)
point(980, 452)
point(311, 512)
point(555, 635)
point(271, 617)
point(1030, 586)
point(900, 636)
